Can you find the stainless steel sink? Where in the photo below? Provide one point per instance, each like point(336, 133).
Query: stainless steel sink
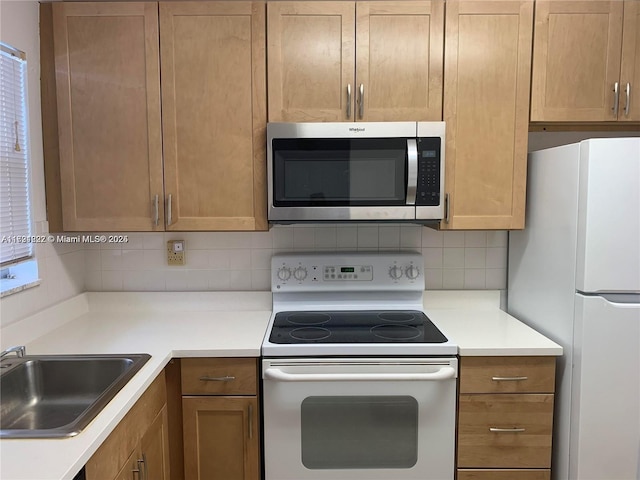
point(58, 395)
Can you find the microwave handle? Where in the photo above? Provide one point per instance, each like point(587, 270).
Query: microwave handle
point(412, 170)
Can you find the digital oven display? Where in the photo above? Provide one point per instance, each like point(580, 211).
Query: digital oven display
point(347, 269)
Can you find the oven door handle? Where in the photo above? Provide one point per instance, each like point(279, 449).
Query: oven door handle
point(445, 373)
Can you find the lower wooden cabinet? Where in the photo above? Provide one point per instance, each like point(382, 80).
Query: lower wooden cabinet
point(503, 474)
point(220, 418)
point(221, 438)
point(138, 448)
point(505, 418)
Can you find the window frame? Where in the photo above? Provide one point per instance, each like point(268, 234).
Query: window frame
point(21, 270)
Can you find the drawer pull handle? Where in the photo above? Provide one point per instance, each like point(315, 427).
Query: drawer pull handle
point(506, 430)
point(226, 378)
point(509, 379)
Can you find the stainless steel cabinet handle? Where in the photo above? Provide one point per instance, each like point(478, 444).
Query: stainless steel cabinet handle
point(226, 378)
point(627, 103)
point(447, 202)
point(361, 103)
point(506, 430)
point(412, 171)
point(169, 219)
point(250, 421)
point(509, 379)
point(616, 98)
point(349, 100)
point(156, 216)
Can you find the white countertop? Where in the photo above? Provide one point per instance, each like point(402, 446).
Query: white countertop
point(212, 324)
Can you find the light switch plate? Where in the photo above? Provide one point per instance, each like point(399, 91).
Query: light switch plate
point(175, 252)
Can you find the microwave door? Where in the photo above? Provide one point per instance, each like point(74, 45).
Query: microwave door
point(359, 179)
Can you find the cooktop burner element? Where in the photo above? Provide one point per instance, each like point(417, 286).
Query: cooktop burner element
point(308, 318)
point(309, 334)
point(396, 332)
point(355, 327)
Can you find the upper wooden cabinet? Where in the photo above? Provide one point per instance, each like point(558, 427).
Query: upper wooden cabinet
point(108, 97)
point(630, 67)
point(486, 110)
point(345, 61)
point(214, 114)
point(111, 133)
point(586, 66)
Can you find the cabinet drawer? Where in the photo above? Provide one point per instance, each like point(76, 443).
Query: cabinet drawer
point(219, 376)
point(507, 474)
point(522, 438)
point(507, 374)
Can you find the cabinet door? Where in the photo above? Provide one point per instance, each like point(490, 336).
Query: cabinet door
point(221, 438)
point(214, 114)
point(576, 60)
point(311, 59)
point(399, 47)
point(630, 70)
point(108, 97)
point(154, 446)
point(486, 109)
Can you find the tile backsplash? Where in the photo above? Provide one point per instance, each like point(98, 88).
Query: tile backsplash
point(241, 260)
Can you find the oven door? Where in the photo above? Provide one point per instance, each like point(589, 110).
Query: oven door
point(359, 419)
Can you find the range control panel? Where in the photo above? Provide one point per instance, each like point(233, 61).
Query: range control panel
point(352, 271)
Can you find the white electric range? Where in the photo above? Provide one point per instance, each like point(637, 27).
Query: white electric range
point(357, 382)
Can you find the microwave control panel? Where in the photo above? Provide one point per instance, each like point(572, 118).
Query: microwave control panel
point(429, 171)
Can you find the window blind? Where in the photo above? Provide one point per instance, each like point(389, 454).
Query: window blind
point(15, 212)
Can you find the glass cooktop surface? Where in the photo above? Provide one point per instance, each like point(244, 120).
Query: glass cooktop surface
point(397, 326)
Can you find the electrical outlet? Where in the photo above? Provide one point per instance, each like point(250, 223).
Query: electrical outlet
point(175, 252)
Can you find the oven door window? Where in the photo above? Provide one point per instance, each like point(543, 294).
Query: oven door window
point(359, 432)
point(339, 172)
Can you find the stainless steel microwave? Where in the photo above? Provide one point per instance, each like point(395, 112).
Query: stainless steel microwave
point(332, 172)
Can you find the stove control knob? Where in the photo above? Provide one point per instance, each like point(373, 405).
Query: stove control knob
point(395, 272)
point(412, 272)
point(300, 273)
point(284, 273)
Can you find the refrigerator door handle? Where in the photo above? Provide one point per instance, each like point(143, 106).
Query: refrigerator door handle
point(626, 299)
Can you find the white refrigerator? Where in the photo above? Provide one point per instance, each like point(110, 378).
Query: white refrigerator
point(574, 275)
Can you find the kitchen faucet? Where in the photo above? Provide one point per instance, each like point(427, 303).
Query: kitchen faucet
point(19, 350)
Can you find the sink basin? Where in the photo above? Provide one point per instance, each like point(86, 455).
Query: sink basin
point(57, 396)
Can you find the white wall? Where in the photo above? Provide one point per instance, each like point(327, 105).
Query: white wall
point(241, 261)
point(61, 267)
